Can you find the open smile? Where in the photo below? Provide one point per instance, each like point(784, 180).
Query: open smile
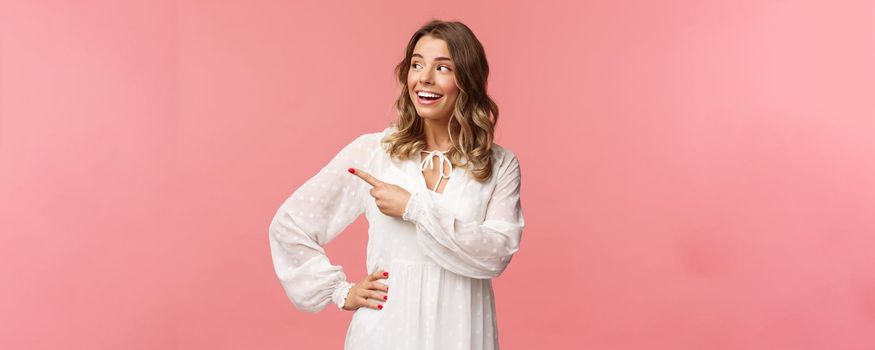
point(428, 97)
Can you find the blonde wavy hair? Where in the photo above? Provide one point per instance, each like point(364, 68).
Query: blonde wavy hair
point(472, 125)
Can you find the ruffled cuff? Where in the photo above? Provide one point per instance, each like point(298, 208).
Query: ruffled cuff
point(340, 293)
point(414, 207)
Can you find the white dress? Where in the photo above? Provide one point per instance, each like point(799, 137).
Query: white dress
point(441, 255)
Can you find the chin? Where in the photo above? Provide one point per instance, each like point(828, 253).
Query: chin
point(430, 116)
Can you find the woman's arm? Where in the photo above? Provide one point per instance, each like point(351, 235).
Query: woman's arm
point(477, 250)
point(316, 213)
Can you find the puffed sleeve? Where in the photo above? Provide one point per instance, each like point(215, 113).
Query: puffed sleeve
point(473, 249)
point(317, 212)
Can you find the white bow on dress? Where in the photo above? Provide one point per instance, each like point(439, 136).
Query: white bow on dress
point(428, 161)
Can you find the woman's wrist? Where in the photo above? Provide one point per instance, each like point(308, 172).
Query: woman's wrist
point(341, 293)
point(411, 210)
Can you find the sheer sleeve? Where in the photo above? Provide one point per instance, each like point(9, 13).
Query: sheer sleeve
point(316, 213)
point(473, 249)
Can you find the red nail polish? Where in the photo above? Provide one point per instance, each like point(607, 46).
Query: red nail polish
point(386, 274)
point(385, 297)
point(380, 307)
point(351, 170)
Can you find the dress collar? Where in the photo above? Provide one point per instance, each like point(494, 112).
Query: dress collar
point(428, 162)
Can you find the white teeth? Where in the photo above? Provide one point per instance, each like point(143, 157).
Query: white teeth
point(427, 94)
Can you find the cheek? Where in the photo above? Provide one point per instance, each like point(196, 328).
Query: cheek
point(454, 95)
point(448, 86)
point(412, 80)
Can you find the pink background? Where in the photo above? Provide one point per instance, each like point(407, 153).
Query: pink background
point(697, 174)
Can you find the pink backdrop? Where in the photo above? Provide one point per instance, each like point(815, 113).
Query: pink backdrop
point(697, 174)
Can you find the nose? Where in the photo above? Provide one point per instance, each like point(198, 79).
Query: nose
point(425, 77)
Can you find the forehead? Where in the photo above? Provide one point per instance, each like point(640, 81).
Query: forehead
point(430, 47)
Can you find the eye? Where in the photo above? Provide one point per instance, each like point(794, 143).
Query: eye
point(413, 65)
point(447, 67)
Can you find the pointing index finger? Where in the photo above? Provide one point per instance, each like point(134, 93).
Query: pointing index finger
point(365, 176)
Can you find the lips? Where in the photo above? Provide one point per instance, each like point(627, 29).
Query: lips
point(427, 97)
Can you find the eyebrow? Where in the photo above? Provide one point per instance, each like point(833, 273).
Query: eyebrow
point(436, 58)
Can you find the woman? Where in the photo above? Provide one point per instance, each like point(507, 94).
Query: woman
point(441, 199)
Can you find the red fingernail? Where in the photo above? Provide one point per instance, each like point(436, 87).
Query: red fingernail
point(380, 307)
point(386, 274)
point(351, 170)
point(385, 297)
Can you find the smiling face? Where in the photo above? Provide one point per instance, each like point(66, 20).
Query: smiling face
point(431, 80)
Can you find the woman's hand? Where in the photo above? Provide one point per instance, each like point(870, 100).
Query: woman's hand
point(367, 291)
point(391, 199)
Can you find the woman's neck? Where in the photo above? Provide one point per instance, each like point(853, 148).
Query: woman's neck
point(437, 137)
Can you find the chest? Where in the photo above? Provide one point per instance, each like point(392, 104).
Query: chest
point(435, 180)
point(459, 193)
